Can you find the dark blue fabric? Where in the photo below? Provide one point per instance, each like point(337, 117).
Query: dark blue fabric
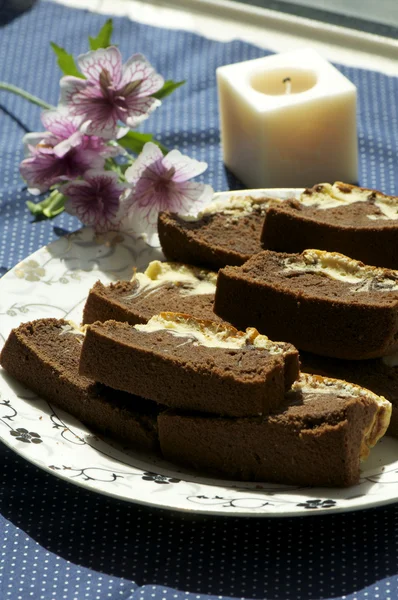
point(60, 541)
point(351, 555)
point(188, 119)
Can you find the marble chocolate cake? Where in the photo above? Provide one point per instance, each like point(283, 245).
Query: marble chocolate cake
point(164, 286)
point(44, 356)
point(189, 363)
point(226, 232)
point(380, 375)
point(317, 436)
point(355, 221)
point(322, 302)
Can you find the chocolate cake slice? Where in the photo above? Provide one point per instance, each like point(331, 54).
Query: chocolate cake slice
point(317, 436)
point(355, 221)
point(44, 355)
point(190, 363)
point(322, 302)
point(226, 232)
point(164, 286)
point(379, 375)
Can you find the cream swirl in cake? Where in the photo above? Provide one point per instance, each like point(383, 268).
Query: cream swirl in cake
point(210, 333)
point(325, 196)
point(71, 328)
point(308, 384)
point(232, 206)
point(188, 279)
point(337, 266)
point(164, 286)
point(314, 384)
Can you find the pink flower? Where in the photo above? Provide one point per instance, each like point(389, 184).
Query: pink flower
point(112, 91)
point(61, 153)
point(97, 200)
point(161, 183)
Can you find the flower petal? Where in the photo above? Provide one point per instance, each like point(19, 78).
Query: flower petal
point(159, 183)
point(59, 122)
point(150, 155)
point(100, 125)
point(148, 202)
point(144, 220)
point(67, 144)
point(94, 62)
point(30, 140)
point(111, 93)
point(69, 86)
point(83, 159)
point(139, 109)
point(185, 167)
point(41, 171)
point(97, 144)
point(99, 114)
point(192, 194)
point(179, 198)
point(96, 201)
point(138, 67)
point(108, 177)
point(67, 159)
point(121, 132)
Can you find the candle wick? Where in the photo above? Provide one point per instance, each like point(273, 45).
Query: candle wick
point(288, 85)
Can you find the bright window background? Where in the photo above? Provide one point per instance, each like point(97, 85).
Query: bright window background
point(375, 16)
point(381, 11)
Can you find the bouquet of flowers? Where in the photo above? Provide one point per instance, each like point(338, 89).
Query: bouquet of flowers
point(84, 158)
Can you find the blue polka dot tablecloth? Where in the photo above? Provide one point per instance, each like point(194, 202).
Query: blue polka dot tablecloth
point(63, 542)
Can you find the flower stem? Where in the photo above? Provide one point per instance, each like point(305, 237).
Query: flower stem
point(9, 87)
point(48, 208)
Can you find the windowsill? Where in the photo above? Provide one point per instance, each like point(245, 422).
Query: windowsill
point(332, 18)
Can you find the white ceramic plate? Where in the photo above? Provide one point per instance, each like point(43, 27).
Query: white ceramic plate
point(54, 282)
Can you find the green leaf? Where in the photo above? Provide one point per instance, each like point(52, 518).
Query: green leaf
point(65, 61)
point(48, 208)
point(103, 39)
point(135, 142)
point(168, 88)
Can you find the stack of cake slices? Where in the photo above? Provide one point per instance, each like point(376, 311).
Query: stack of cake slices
point(340, 313)
point(179, 359)
point(354, 221)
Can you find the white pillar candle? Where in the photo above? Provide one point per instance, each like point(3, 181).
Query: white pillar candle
point(288, 120)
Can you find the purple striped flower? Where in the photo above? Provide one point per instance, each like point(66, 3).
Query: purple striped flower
point(97, 200)
point(162, 183)
point(61, 153)
point(111, 92)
